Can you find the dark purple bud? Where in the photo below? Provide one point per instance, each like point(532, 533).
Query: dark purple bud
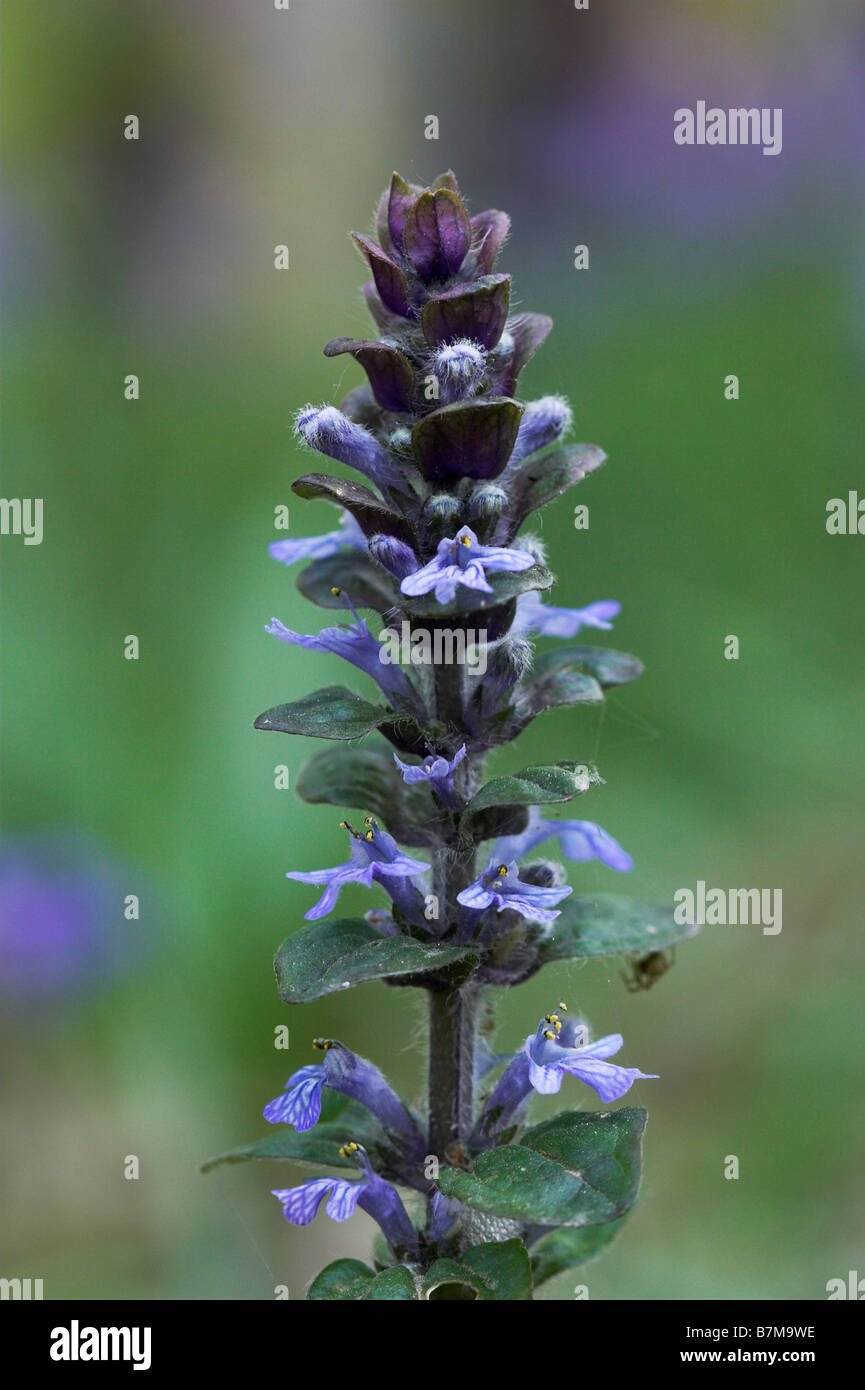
point(400, 197)
point(478, 312)
point(508, 662)
point(390, 373)
point(543, 873)
point(389, 279)
point(459, 369)
point(437, 234)
point(443, 514)
point(543, 422)
point(471, 439)
point(484, 508)
point(396, 557)
point(489, 230)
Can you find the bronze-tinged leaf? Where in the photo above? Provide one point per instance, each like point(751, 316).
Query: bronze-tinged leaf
point(470, 439)
point(389, 371)
point(389, 279)
point(478, 312)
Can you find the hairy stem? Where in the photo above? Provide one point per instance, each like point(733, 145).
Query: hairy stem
point(453, 1036)
point(453, 1011)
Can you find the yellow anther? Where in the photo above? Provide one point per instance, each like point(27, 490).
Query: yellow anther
point(466, 541)
point(563, 1008)
point(552, 1018)
point(368, 820)
point(335, 590)
point(502, 871)
point(322, 1044)
point(370, 835)
point(550, 1034)
point(558, 1025)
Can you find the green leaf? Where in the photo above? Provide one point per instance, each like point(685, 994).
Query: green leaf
point(369, 779)
point(394, 1283)
point(334, 712)
point(348, 1280)
point(609, 667)
point(608, 925)
point(546, 475)
point(367, 585)
point(328, 956)
point(578, 1169)
point(359, 777)
point(535, 786)
point(496, 821)
point(344, 1280)
point(506, 585)
point(549, 688)
point(569, 1247)
point(341, 1120)
point(497, 1271)
point(368, 510)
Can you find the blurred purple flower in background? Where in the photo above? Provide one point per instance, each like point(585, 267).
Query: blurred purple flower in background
point(62, 924)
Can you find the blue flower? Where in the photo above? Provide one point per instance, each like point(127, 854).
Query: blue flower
point(561, 1048)
point(463, 560)
point(444, 1213)
point(375, 858)
point(397, 558)
point(343, 1071)
point(557, 1049)
point(372, 1194)
point(545, 620)
point(330, 432)
point(581, 840)
point(436, 771)
point(354, 643)
point(501, 887)
point(544, 421)
point(58, 904)
point(288, 552)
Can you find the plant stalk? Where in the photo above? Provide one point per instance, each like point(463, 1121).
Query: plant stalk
point(454, 1011)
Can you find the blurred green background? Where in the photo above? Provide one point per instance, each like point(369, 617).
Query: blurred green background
point(155, 257)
